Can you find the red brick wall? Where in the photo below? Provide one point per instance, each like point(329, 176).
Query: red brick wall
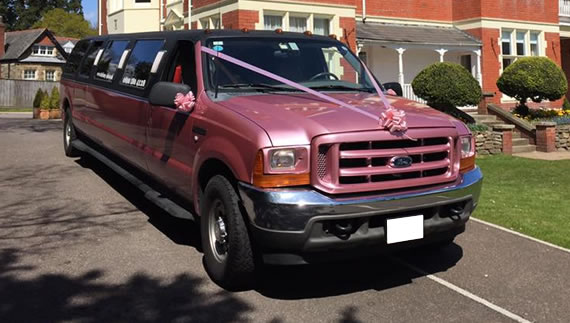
point(103, 18)
point(465, 9)
point(553, 51)
point(348, 36)
point(238, 19)
point(490, 65)
point(185, 8)
point(440, 10)
point(194, 25)
point(525, 10)
point(200, 3)
point(565, 56)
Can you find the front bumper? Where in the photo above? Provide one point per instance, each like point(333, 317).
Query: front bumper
point(302, 222)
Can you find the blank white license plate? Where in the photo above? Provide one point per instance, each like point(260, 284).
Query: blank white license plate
point(405, 229)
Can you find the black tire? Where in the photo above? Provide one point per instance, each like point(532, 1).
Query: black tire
point(228, 254)
point(69, 135)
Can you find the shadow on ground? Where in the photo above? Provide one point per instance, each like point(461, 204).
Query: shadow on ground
point(58, 297)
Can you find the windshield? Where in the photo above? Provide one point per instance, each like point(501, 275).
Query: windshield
point(319, 65)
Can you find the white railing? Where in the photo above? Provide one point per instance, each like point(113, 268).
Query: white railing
point(409, 93)
point(564, 7)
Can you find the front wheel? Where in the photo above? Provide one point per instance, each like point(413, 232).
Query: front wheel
point(69, 136)
point(228, 255)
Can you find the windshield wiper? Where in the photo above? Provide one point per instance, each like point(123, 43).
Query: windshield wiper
point(342, 87)
point(256, 86)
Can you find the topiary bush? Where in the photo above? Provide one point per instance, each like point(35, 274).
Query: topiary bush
point(45, 103)
point(446, 86)
point(566, 105)
point(38, 98)
point(534, 78)
point(54, 99)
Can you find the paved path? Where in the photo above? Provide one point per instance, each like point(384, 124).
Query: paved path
point(78, 244)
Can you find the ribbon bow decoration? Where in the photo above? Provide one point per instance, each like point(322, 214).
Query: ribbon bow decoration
point(185, 102)
point(394, 120)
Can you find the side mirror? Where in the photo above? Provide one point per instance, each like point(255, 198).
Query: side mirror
point(394, 86)
point(163, 93)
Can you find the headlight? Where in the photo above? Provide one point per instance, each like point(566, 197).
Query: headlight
point(467, 146)
point(282, 159)
point(280, 167)
point(467, 162)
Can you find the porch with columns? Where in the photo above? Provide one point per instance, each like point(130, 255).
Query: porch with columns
point(397, 53)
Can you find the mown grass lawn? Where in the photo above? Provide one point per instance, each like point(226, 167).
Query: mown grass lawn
point(15, 109)
point(528, 196)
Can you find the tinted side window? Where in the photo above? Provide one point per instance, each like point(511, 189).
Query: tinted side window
point(110, 60)
point(137, 70)
point(88, 61)
point(75, 58)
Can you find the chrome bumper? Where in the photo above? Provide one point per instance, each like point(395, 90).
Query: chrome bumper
point(295, 210)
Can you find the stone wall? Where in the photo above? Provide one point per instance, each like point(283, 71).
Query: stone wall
point(563, 137)
point(488, 142)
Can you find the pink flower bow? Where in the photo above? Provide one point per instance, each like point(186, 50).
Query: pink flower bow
point(185, 102)
point(394, 120)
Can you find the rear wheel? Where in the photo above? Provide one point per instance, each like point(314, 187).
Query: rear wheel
point(228, 254)
point(69, 136)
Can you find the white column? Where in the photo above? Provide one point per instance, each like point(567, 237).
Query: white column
point(479, 74)
point(441, 52)
point(401, 65)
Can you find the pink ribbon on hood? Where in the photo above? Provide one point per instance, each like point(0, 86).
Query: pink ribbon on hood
point(392, 119)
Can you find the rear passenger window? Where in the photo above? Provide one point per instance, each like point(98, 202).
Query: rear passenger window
point(75, 57)
point(109, 61)
point(137, 70)
point(85, 68)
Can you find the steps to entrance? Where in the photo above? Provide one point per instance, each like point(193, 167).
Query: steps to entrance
point(520, 145)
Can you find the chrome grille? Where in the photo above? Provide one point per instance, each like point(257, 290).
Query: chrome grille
point(356, 166)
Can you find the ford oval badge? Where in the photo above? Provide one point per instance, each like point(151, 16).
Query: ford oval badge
point(400, 161)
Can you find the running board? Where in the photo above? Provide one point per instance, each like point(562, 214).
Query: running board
point(150, 194)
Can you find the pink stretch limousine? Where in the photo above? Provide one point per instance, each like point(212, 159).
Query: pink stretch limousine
point(282, 145)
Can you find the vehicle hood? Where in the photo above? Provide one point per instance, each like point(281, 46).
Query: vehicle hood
point(296, 118)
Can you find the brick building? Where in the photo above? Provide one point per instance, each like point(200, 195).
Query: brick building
point(34, 54)
point(397, 38)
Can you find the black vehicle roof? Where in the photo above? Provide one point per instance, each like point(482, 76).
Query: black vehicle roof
point(201, 35)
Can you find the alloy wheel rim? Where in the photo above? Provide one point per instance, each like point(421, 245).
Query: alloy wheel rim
point(67, 133)
point(217, 233)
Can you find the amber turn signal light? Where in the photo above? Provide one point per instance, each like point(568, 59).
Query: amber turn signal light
point(260, 179)
point(467, 164)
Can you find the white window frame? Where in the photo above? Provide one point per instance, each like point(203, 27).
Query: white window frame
point(53, 75)
point(301, 17)
point(26, 75)
point(41, 50)
point(275, 14)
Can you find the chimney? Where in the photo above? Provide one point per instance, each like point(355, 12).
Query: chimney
point(2, 41)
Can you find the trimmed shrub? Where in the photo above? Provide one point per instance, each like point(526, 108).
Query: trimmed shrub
point(45, 103)
point(477, 127)
point(38, 98)
point(446, 86)
point(534, 78)
point(54, 99)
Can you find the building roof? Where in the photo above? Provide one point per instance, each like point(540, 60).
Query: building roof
point(17, 42)
point(415, 34)
point(43, 59)
point(64, 40)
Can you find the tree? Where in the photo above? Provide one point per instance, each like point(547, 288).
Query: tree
point(22, 14)
point(65, 24)
point(54, 99)
point(38, 98)
point(446, 86)
point(534, 78)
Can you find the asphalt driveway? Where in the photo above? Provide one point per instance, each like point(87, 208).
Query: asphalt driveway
point(79, 244)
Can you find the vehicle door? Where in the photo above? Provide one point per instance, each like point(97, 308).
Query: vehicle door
point(84, 109)
point(122, 113)
point(170, 130)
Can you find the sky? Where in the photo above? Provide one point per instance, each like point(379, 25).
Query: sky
point(90, 11)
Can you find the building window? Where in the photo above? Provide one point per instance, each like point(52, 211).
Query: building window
point(272, 22)
point(297, 24)
point(321, 26)
point(29, 74)
point(39, 50)
point(534, 49)
point(50, 75)
point(518, 43)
